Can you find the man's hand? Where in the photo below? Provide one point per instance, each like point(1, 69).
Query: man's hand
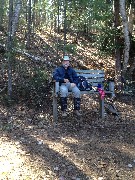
point(73, 85)
point(66, 80)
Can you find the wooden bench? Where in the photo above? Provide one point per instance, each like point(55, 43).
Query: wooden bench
point(94, 77)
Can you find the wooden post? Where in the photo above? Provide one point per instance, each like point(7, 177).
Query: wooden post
point(55, 106)
point(111, 88)
point(101, 110)
point(55, 111)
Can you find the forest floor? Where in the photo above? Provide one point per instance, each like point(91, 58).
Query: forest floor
point(33, 147)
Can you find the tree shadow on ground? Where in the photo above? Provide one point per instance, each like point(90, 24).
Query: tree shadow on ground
point(85, 147)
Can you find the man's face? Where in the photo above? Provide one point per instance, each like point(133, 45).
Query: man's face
point(65, 64)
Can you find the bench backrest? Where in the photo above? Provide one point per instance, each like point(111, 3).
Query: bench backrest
point(95, 77)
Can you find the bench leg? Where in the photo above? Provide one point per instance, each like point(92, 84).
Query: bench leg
point(55, 111)
point(101, 103)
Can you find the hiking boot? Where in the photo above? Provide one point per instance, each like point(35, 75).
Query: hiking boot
point(77, 113)
point(64, 114)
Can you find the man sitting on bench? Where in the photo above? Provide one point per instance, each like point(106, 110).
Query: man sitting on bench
point(67, 78)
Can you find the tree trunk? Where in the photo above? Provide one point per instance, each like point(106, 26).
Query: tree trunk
point(126, 37)
point(131, 18)
point(16, 17)
point(9, 48)
point(2, 3)
point(118, 78)
point(58, 22)
point(28, 25)
point(12, 25)
point(65, 25)
point(33, 16)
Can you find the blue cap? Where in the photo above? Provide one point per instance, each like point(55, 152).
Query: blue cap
point(66, 58)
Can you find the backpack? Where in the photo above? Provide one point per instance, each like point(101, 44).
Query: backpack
point(83, 84)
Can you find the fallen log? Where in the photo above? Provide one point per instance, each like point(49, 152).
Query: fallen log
point(28, 55)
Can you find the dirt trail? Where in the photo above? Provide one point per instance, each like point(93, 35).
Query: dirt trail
point(90, 148)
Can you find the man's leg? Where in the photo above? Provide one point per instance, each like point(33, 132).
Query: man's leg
point(63, 99)
point(77, 100)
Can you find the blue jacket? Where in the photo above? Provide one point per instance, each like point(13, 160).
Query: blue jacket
point(59, 74)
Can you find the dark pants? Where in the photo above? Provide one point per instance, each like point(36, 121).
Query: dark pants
point(64, 88)
point(77, 102)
